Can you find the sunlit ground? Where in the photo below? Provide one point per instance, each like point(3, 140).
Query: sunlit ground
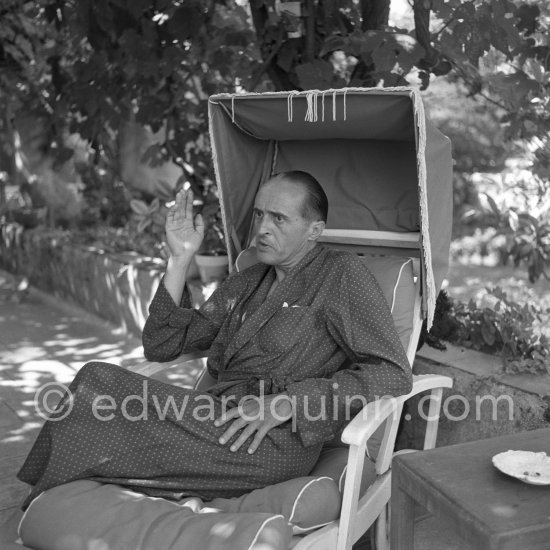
point(43, 343)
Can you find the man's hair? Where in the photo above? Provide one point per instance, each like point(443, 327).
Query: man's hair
point(315, 203)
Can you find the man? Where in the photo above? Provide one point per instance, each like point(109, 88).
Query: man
point(278, 335)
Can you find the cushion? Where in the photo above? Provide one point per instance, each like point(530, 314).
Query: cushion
point(332, 463)
point(85, 514)
point(306, 502)
point(395, 276)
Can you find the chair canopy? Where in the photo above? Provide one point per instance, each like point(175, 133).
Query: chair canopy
point(382, 163)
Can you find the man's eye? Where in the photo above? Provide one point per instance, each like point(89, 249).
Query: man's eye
point(258, 214)
point(279, 219)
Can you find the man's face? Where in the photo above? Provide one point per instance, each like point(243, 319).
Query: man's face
point(283, 235)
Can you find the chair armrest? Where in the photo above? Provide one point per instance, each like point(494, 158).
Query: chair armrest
point(365, 423)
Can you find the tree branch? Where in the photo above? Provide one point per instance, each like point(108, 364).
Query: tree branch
point(421, 9)
point(265, 65)
point(310, 31)
point(278, 76)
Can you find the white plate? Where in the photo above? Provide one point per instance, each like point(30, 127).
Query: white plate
point(529, 467)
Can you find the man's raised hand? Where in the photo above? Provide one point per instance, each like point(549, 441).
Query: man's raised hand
point(184, 233)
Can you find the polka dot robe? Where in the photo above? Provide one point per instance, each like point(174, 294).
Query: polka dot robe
point(324, 336)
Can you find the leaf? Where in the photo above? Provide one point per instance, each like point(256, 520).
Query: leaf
point(443, 9)
point(513, 88)
point(144, 224)
point(536, 70)
point(332, 44)
point(139, 207)
point(513, 220)
point(384, 57)
point(150, 156)
point(287, 55)
point(316, 75)
point(154, 206)
point(390, 51)
point(492, 204)
point(25, 46)
point(159, 219)
point(527, 15)
point(409, 50)
point(16, 54)
point(187, 21)
point(165, 190)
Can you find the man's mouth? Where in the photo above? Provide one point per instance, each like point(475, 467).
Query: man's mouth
point(262, 244)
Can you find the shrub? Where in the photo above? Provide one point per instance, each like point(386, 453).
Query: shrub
point(507, 328)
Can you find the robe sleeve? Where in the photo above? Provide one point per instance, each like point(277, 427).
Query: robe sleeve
point(172, 330)
point(359, 319)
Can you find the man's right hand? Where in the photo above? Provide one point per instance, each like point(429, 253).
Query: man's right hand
point(183, 233)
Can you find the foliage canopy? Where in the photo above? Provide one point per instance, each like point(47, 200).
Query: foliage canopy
point(89, 66)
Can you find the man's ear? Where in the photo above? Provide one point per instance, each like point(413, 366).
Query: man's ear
point(316, 230)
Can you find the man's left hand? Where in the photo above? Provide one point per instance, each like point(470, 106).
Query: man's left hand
point(255, 417)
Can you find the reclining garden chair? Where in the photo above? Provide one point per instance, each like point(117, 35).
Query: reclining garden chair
point(387, 173)
point(365, 490)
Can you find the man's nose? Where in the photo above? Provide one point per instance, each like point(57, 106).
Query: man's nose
point(263, 226)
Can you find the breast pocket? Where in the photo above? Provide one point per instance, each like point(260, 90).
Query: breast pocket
point(283, 330)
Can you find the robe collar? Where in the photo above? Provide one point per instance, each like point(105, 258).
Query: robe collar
point(289, 291)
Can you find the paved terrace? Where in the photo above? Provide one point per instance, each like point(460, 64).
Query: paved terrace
point(44, 340)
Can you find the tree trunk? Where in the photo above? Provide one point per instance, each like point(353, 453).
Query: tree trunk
point(310, 31)
point(422, 10)
point(374, 16)
point(278, 76)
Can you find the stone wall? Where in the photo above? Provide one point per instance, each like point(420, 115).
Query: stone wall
point(484, 401)
point(116, 287)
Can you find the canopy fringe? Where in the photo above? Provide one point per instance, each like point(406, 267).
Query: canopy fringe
point(275, 155)
point(226, 229)
point(289, 99)
point(312, 103)
point(422, 184)
point(312, 99)
point(345, 92)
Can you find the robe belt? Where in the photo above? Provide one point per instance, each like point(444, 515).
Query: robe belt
point(271, 384)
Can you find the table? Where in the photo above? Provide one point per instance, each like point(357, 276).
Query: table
point(488, 509)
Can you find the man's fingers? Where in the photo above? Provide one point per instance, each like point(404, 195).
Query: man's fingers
point(189, 204)
point(177, 207)
point(227, 416)
point(237, 425)
point(199, 224)
point(260, 434)
point(246, 434)
point(180, 198)
point(248, 410)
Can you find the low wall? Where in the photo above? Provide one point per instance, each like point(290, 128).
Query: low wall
point(484, 402)
point(116, 287)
